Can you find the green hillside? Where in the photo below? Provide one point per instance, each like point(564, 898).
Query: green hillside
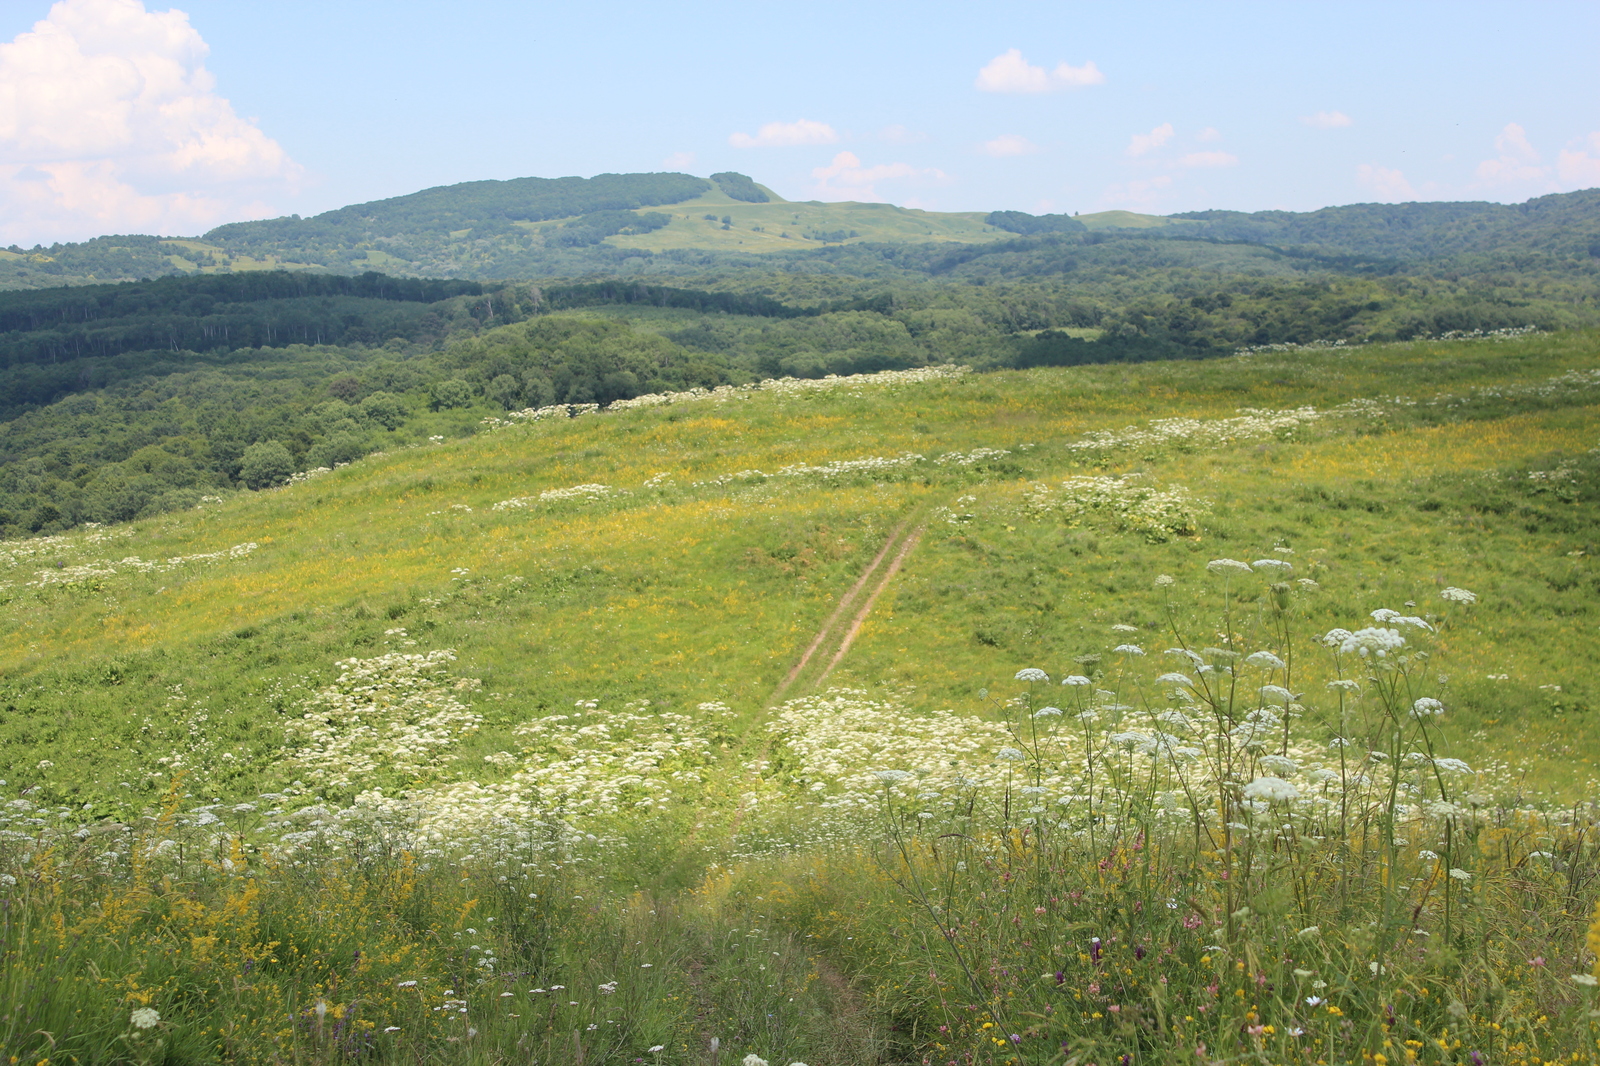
point(832, 720)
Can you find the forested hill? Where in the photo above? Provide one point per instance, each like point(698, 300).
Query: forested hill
point(678, 225)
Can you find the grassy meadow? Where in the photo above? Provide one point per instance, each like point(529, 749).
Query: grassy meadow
point(835, 722)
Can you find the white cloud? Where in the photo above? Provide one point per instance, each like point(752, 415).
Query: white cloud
point(1577, 167)
point(1141, 143)
point(1008, 72)
point(110, 122)
point(1328, 120)
point(1008, 144)
point(1517, 162)
point(786, 135)
point(1210, 133)
point(1388, 185)
point(847, 179)
point(1209, 159)
point(678, 161)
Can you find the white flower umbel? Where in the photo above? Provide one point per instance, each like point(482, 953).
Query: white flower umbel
point(1371, 641)
point(1271, 790)
point(1031, 673)
point(1461, 596)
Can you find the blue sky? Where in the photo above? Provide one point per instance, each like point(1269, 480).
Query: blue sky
point(121, 116)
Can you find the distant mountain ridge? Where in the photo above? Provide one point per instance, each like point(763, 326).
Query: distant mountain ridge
point(673, 223)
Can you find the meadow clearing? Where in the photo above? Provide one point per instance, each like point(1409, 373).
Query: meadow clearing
point(1223, 711)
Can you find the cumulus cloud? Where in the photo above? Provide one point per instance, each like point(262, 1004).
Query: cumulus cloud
point(1008, 144)
point(1385, 184)
point(1578, 166)
point(1141, 143)
point(1517, 162)
point(110, 122)
point(786, 135)
point(1209, 159)
point(846, 178)
point(1327, 120)
point(1008, 72)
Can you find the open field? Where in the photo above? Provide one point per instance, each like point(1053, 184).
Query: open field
point(717, 702)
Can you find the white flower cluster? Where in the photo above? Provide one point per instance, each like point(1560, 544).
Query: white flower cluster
point(972, 458)
point(1127, 500)
point(86, 572)
point(724, 393)
point(1200, 432)
point(398, 713)
point(576, 492)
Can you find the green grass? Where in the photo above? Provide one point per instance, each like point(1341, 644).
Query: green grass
point(1465, 469)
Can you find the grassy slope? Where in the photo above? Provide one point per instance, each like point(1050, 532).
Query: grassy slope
point(682, 594)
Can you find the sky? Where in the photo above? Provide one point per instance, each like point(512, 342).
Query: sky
point(122, 116)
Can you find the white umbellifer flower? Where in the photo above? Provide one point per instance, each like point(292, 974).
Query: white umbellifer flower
point(1224, 566)
point(1453, 766)
point(1088, 717)
point(1011, 755)
point(753, 1059)
point(1143, 743)
point(1365, 642)
point(1128, 649)
point(658, 1047)
point(1076, 680)
point(1032, 673)
point(1280, 765)
point(1427, 707)
point(1587, 980)
point(1121, 628)
point(1344, 684)
point(1283, 566)
point(1323, 776)
point(1271, 790)
point(144, 1018)
point(1266, 660)
point(1165, 581)
point(890, 777)
point(1395, 618)
point(1455, 595)
point(1334, 638)
point(1175, 679)
point(1459, 874)
point(1276, 694)
point(1046, 712)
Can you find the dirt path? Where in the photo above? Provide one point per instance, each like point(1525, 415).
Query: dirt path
point(900, 542)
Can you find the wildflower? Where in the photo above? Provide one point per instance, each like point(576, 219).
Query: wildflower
point(392, 1029)
point(1453, 766)
point(890, 777)
point(1225, 566)
point(1395, 618)
point(1266, 660)
point(1007, 755)
point(1280, 765)
point(1344, 684)
point(1128, 649)
point(1175, 679)
point(1031, 673)
point(1587, 980)
point(1455, 595)
point(1271, 790)
point(1459, 874)
point(144, 1018)
point(608, 988)
point(658, 1047)
point(1426, 707)
point(1276, 694)
point(1165, 581)
point(1280, 565)
point(1314, 1001)
point(1121, 628)
point(1076, 680)
point(753, 1059)
point(1046, 712)
point(1365, 642)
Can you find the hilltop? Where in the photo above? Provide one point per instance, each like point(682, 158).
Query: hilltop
point(678, 224)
